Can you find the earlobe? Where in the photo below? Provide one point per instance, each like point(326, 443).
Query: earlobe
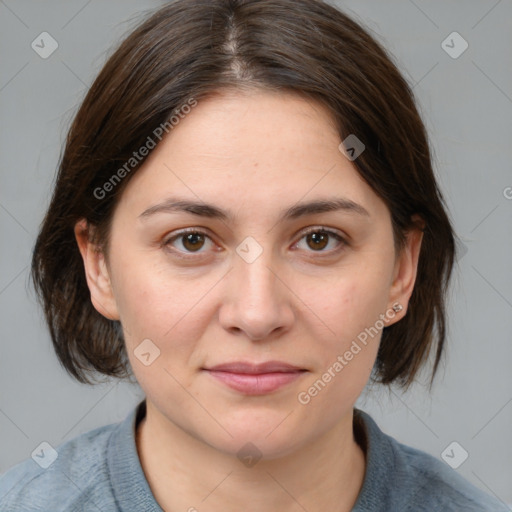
point(96, 272)
point(406, 269)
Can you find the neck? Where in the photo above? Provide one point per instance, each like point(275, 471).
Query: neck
point(184, 473)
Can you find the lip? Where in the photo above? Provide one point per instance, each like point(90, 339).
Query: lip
point(255, 379)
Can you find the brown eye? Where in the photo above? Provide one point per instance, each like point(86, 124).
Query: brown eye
point(317, 240)
point(321, 240)
point(188, 242)
point(193, 241)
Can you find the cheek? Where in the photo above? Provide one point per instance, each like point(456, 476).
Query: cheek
point(353, 310)
point(173, 317)
point(354, 300)
point(168, 308)
point(352, 306)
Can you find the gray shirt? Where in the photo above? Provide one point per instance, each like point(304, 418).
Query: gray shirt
point(101, 471)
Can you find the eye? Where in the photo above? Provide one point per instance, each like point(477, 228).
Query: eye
point(319, 238)
point(188, 241)
point(191, 241)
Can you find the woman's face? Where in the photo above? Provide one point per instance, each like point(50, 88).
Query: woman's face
point(252, 286)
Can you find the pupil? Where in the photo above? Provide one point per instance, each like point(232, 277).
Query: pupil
point(192, 239)
point(319, 239)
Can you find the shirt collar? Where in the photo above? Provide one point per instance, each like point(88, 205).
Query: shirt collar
point(129, 484)
point(380, 464)
point(132, 491)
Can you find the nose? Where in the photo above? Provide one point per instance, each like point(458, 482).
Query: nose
point(256, 300)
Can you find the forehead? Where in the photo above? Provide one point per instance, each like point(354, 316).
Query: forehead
point(239, 125)
point(243, 148)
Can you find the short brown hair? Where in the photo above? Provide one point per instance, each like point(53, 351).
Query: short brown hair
point(192, 49)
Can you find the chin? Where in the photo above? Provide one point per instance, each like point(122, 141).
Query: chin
point(259, 447)
point(270, 435)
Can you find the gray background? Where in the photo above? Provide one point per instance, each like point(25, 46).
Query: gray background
point(467, 105)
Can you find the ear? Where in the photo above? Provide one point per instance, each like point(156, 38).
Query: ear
point(96, 272)
point(406, 269)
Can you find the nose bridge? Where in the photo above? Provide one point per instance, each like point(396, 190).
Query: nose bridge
point(256, 282)
point(257, 302)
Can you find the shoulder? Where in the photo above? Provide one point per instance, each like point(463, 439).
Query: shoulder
point(69, 477)
point(433, 485)
point(401, 478)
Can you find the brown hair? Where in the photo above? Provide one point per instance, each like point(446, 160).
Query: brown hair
point(192, 49)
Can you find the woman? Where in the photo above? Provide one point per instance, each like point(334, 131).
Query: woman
point(246, 221)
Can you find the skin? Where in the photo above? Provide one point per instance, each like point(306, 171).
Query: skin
point(253, 154)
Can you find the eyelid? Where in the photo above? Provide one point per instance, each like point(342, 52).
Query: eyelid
point(342, 239)
point(182, 232)
point(320, 228)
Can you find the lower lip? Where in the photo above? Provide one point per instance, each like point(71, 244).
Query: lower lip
point(256, 384)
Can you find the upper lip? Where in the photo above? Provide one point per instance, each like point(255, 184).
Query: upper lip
point(251, 368)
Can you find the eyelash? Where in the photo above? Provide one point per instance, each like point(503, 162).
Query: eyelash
point(320, 229)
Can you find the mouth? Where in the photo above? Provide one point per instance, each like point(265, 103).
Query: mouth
point(255, 379)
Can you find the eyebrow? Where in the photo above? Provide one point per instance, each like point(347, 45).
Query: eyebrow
point(202, 209)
